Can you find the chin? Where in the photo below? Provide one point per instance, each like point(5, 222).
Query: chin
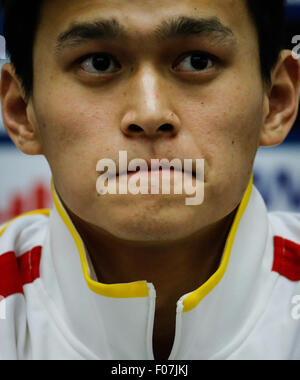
point(151, 220)
point(151, 230)
point(149, 236)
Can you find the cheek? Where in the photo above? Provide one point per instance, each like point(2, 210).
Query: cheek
point(70, 124)
point(226, 129)
point(76, 134)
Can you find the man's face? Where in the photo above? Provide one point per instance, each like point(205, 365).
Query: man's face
point(203, 83)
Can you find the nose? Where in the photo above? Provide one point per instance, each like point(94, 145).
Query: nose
point(148, 109)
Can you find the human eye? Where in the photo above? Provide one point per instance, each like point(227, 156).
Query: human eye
point(99, 63)
point(195, 62)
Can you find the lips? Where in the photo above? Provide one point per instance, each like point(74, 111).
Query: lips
point(155, 167)
point(152, 170)
point(126, 166)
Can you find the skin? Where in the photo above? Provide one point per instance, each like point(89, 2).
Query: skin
point(222, 114)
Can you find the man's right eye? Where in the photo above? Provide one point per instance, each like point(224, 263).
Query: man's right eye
point(100, 63)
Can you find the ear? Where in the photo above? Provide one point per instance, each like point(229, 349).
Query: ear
point(282, 100)
point(18, 113)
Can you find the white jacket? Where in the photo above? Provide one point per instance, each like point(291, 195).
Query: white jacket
point(53, 309)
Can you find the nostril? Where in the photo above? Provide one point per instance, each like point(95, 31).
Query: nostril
point(135, 128)
point(166, 128)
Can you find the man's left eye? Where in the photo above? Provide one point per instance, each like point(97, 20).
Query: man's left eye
point(99, 63)
point(197, 61)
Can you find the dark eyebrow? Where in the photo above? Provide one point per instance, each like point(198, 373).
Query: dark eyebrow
point(111, 29)
point(189, 26)
point(80, 32)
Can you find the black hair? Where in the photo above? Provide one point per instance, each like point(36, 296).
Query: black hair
point(270, 21)
point(21, 20)
point(20, 23)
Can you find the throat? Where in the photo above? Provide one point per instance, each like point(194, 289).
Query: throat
point(164, 332)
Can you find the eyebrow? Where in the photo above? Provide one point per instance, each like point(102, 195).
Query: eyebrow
point(174, 28)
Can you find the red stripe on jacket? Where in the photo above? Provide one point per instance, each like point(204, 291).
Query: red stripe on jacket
point(17, 272)
point(286, 258)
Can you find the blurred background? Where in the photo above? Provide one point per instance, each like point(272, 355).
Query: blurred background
point(25, 180)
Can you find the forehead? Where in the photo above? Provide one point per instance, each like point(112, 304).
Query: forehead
point(141, 17)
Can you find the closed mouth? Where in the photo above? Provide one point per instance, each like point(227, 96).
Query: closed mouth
point(157, 170)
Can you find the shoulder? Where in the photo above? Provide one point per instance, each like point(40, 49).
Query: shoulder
point(285, 229)
point(285, 308)
point(24, 232)
point(21, 240)
point(286, 225)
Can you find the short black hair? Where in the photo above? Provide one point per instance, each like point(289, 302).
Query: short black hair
point(21, 20)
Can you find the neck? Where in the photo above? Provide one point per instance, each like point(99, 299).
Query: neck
point(175, 268)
